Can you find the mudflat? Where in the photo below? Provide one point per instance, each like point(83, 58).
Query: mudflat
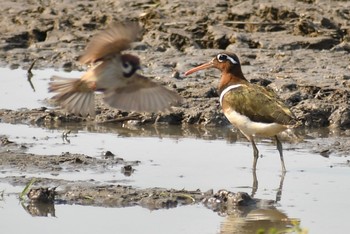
point(300, 49)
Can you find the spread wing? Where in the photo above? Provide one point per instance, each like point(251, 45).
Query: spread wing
point(142, 95)
point(74, 95)
point(258, 104)
point(110, 41)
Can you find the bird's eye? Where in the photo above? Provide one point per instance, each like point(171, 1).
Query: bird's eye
point(128, 69)
point(222, 57)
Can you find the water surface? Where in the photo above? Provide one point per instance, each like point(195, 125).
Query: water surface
point(315, 189)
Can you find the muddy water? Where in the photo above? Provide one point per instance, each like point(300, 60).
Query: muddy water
point(315, 189)
point(20, 91)
point(84, 219)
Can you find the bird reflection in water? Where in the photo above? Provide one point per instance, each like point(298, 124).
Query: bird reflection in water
point(245, 214)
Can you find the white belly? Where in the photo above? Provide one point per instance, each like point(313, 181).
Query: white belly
point(250, 128)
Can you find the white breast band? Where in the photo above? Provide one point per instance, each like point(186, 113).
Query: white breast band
point(226, 90)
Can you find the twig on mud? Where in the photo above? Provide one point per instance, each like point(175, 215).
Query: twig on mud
point(29, 71)
point(183, 23)
point(257, 23)
point(186, 196)
point(122, 119)
point(88, 197)
point(30, 74)
point(178, 196)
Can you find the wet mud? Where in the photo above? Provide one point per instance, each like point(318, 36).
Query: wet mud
point(300, 49)
point(45, 192)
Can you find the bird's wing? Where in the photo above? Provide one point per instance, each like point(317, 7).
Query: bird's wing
point(142, 95)
point(258, 104)
point(111, 41)
point(74, 95)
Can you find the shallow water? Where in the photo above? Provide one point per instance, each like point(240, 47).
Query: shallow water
point(17, 91)
point(85, 219)
point(315, 189)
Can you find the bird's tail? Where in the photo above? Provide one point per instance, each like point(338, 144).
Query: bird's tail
point(73, 95)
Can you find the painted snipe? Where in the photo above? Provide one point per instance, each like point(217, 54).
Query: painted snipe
point(115, 74)
point(253, 109)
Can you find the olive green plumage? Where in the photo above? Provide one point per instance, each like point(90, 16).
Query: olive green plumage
point(258, 104)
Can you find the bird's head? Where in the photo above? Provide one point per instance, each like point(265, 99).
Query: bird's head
point(130, 64)
point(228, 64)
point(225, 62)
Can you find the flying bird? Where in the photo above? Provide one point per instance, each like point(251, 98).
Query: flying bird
point(253, 109)
point(113, 73)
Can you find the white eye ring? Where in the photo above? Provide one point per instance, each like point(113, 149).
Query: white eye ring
point(221, 57)
point(127, 67)
point(224, 57)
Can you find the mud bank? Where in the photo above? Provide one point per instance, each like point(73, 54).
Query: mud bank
point(300, 49)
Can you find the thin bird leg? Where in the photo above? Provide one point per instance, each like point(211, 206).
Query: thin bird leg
point(256, 154)
point(280, 188)
point(280, 149)
point(255, 184)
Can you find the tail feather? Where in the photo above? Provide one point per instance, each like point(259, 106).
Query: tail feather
point(72, 97)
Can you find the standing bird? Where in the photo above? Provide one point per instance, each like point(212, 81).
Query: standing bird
point(114, 74)
point(253, 109)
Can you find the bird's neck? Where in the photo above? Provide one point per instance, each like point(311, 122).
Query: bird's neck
point(228, 79)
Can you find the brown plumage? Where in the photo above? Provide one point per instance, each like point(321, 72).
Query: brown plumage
point(253, 109)
point(114, 74)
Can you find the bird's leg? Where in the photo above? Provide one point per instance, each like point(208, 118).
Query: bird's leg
point(256, 154)
point(280, 188)
point(280, 149)
point(255, 184)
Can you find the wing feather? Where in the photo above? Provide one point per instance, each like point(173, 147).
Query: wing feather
point(111, 41)
point(73, 95)
point(258, 104)
point(142, 95)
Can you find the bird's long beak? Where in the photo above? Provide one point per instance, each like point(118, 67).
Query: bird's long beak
point(200, 67)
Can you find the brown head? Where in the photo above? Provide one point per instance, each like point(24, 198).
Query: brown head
point(230, 67)
point(130, 64)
